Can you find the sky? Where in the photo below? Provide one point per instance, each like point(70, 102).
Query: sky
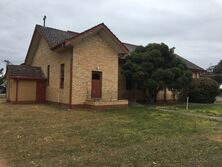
point(193, 27)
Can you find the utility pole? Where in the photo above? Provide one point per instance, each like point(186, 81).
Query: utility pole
point(187, 106)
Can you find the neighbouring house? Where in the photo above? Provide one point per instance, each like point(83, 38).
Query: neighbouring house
point(126, 91)
point(167, 95)
point(74, 69)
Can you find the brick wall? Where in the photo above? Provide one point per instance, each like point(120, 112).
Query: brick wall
point(94, 54)
point(44, 57)
point(91, 54)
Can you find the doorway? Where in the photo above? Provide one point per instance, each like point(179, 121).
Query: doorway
point(40, 91)
point(96, 91)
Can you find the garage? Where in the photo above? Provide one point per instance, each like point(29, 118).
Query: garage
point(25, 84)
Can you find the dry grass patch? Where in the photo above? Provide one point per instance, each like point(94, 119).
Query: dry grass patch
point(217, 138)
point(41, 135)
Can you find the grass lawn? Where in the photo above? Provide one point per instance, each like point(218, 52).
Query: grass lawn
point(206, 109)
point(40, 135)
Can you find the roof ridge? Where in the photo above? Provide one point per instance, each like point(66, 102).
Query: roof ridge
point(79, 34)
point(56, 29)
point(23, 65)
point(69, 31)
point(189, 62)
point(87, 30)
point(24, 72)
point(98, 27)
point(130, 44)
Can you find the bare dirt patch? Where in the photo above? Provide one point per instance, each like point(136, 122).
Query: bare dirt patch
point(3, 163)
point(217, 138)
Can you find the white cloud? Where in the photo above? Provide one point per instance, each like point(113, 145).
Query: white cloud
point(192, 26)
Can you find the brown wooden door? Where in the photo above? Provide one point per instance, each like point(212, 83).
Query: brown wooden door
point(40, 91)
point(96, 85)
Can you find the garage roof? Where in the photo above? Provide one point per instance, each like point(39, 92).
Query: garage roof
point(24, 72)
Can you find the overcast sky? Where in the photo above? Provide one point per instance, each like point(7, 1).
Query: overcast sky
point(194, 27)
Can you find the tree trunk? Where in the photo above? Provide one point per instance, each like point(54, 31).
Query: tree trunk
point(153, 95)
point(134, 92)
point(165, 94)
point(146, 97)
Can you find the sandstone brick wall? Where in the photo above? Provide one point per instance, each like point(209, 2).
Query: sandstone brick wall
point(91, 54)
point(94, 54)
point(44, 57)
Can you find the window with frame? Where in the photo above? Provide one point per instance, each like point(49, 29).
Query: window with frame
point(62, 75)
point(48, 74)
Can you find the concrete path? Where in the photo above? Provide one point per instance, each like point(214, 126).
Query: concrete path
point(193, 115)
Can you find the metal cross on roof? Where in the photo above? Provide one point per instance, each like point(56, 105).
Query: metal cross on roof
point(44, 18)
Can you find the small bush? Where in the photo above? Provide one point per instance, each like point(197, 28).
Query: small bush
point(202, 90)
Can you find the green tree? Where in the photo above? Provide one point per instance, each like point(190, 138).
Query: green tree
point(218, 68)
point(202, 90)
point(2, 78)
point(155, 67)
point(217, 72)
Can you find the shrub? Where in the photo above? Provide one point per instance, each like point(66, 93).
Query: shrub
point(202, 90)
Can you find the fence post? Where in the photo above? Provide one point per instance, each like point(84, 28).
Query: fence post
point(187, 107)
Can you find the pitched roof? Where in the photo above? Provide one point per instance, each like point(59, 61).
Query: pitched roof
point(56, 38)
point(24, 72)
point(95, 29)
point(189, 64)
point(130, 47)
